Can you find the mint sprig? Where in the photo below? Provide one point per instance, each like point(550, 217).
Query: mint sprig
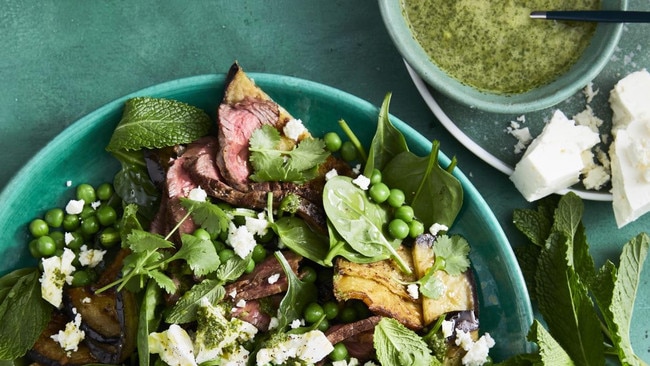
point(155, 123)
point(562, 279)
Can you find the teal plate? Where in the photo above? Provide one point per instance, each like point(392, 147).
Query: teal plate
point(77, 155)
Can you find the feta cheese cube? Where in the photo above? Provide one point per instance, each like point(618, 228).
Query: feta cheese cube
point(553, 161)
point(630, 159)
point(294, 129)
point(629, 100)
point(57, 271)
point(74, 207)
point(362, 182)
point(273, 278)
point(309, 347)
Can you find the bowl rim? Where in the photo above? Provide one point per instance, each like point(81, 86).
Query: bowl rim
point(556, 91)
point(208, 81)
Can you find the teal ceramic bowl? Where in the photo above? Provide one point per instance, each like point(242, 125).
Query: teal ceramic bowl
point(77, 155)
point(592, 61)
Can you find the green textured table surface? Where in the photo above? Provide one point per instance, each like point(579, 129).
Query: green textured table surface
point(60, 60)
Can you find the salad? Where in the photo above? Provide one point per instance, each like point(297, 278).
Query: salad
point(249, 243)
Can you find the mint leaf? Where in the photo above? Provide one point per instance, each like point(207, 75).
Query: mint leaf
point(232, 269)
point(156, 123)
point(533, 224)
point(199, 254)
point(23, 315)
point(550, 352)
point(565, 304)
point(185, 310)
point(397, 345)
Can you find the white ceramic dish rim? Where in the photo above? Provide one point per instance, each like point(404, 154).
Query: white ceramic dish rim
point(475, 148)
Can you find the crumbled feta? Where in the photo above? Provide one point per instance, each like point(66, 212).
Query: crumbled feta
point(296, 323)
point(589, 119)
point(68, 183)
point(447, 328)
point(436, 228)
point(241, 240)
point(273, 323)
point(198, 194)
point(95, 205)
point(273, 278)
point(294, 129)
point(90, 257)
point(553, 161)
point(477, 352)
point(86, 300)
point(357, 169)
point(174, 346)
point(413, 290)
point(331, 174)
point(522, 135)
point(629, 100)
point(362, 182)
point(74, 207)
point(589, 92)
point(57, 271)
point(352, 362)
point(68, 238)
point(241, 303)
point(233, 293)
point(70, 337)
point(258, 226)
point(309, 347)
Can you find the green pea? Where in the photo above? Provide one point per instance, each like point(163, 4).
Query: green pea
point(339, 353)
point(86, 192)
point(46, 246)
point(332, 141)
point(54, 217)
point(259, 253)
point(58, 238)
point(331, 309)
point(38, 228)
point(396, 197)
point(202, 234)
point(76, 242)
point(308, 274)
point(250, 266)
point(313, 312)
point(219, 246)
point(416, 228)
point(379, 192)
point(33, 249)
point(82, 278)
point(375, 176)
point(398, 229)
point(109, 237)
point(348, 314)
point(404, 213)
point(348, 151)
point(226, 254)
point(71, 222)
point(106, 215)
point(90, 225)
point(323, 325)
point(105, 191)
point(87, 211)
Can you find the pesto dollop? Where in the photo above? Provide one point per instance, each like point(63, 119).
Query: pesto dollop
point(494, 46)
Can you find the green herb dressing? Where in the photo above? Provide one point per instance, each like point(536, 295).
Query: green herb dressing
point(494, 45)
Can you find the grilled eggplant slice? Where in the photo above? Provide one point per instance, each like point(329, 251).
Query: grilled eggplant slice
point(48, 352)
point(380, 285)
point(460, 294)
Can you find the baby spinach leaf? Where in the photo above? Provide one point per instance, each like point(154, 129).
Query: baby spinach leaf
point(397, 345)
point(359, 221)
point(339, 247)
point(295, 234)
point(298, 295)
point(387, 143)
point(185, 310)
point(435, 195)
point(155, 123)
point(23, 315)
point(133, 184)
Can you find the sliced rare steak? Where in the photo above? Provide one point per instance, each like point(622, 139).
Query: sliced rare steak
point(357, 337)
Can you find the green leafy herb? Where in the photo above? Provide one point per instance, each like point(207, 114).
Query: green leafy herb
point(155, 123)
point(298, 295)
point(185, 310)
point(149, 319)
point(359, 221)
point(295, 234)
point(272, 162)
point(451, 256)
point(397, 345)
point(565, 282)
point(208, 215)
point(387, 143)
point(23, 313)
point(133, 185)
point(435, 194)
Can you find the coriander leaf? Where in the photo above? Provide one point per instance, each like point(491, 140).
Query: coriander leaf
point(431, 286)
point(308, 154)
point(617, 293)
point(199, 254)
point(550, 352)
point(454, 250)
point(298, 295)
point(162, 280)
point(155, 123)
point(387, 142)
point(397, 345)
point(142, 241)
point(435, 195)
point(23, 315)
point(295, 234)
point(565, 304)
point(148, 320)
point(208, 215)
point(185, 309)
